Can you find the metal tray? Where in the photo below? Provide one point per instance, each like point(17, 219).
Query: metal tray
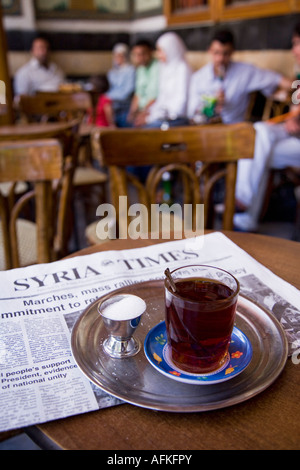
point(135, 381)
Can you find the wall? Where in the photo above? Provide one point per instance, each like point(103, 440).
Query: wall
point(83, 48)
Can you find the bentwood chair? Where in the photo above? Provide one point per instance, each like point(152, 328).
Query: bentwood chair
point(276, 105)
point(59, 106)
point(67, 134)
point(199, 156)
point(62, 106)
point(63, 131)
point(32, 230)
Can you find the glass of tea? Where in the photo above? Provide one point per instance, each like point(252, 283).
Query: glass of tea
point(200, 316)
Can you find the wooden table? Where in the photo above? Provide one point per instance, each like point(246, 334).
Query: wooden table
point(28, 131)
point(268, 421)
point(39, 130)
point(47, 130)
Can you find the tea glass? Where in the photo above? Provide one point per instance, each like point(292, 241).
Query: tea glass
point(200, 317)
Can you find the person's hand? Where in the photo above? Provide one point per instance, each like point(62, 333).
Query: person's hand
point(140, 119)
point(131, 116)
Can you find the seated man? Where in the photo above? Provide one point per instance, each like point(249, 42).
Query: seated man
point(147, 77)
point(276, 146)
point(230, 82)
point(39, 74)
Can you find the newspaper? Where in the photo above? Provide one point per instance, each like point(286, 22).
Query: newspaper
point(39, 305)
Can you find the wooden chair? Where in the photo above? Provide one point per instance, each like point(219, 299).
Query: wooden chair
point(261, 108)
point(67, 134)
point(276, 105)
point(41, 163)
point(59, 106)
point(65, 107)
point(201, 154)
point(249, 116)
point(57, 130)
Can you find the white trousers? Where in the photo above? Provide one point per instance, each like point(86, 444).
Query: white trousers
point(274, 148)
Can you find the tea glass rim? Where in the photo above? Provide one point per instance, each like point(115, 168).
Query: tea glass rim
point(220, 301)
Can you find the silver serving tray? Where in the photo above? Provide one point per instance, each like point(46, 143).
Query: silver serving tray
point(135, 381)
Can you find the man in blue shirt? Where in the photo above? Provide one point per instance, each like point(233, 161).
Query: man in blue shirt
point(122, 83)
point(230, 82)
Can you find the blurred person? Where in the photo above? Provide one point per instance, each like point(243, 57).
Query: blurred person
point(122, 84)
point(103, 113)
point(39, 74)
point(229, 82)
point(146, 87)
point(276, 146)
point(170, 107)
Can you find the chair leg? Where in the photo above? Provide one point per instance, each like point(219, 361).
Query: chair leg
point(297, 218)
point(268, 193)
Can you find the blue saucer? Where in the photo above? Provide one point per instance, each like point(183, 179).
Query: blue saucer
point(158, 354)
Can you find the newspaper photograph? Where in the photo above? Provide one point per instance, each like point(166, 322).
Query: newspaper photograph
point(39, 306)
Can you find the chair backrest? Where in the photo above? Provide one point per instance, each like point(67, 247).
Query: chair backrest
point(275, 108)
point(59, 106)
point(67, 133)
point(204, 153)
point(40, 163)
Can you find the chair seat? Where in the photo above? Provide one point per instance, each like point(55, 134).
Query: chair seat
point(85, 176)
point(26, 234)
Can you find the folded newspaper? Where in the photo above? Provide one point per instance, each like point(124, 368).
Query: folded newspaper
point(39, 305)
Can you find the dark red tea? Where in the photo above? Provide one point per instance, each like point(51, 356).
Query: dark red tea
point(200, 319)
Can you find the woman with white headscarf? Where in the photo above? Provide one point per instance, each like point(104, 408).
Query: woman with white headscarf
point(170, 107)
point(122, 83)
point(174, 80)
